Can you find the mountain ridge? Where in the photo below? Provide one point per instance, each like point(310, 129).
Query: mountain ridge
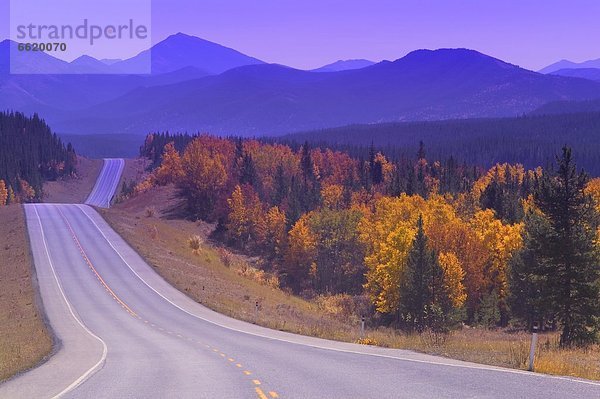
point(267, 99)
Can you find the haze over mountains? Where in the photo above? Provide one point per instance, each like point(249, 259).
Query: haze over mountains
point(197, 85)
point(344, 65)
point(566, 64)
point(586, 70)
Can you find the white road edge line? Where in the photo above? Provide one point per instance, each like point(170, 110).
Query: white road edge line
point(466, 366)
point(94, 368)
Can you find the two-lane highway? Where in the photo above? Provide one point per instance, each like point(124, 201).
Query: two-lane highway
point(127, 333)
point(106, 184)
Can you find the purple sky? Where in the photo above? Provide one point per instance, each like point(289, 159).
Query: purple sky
point(310, 33)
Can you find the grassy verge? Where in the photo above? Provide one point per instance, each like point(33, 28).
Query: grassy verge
point(74, 189)
point(228, 284)
point(24, 338)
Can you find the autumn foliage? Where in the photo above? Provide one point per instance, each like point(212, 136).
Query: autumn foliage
point(327, 223)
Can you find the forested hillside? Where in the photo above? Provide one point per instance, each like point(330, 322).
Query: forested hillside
point(530, 140)
point(29, 154)
point(415, 243)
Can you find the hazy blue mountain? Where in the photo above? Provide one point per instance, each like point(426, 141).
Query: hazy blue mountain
point(272, 99)
point(584, 73)
point(29, 62)
point(111, 61)
point(180, 75)
point(566, 64)
point(90, 65)
point(567, 107)
point(180, 51)
point(344, 65)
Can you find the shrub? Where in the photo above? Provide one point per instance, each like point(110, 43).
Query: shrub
point(367, 341)
point(195, 243)
point(225, 256)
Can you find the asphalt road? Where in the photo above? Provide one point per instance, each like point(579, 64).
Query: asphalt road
point(126, 333)
point(106, 185)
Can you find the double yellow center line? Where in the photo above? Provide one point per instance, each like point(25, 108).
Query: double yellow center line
point(259, 392)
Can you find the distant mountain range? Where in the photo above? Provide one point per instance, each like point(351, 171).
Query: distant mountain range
point(344, 65)
point(176, 52)
point(568, 107)
point(566, 64)
point(584, 73)
point(197, 85)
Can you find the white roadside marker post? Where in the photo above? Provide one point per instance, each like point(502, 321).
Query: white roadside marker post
point(534, 338)
point(256, 313)
point(362, 327)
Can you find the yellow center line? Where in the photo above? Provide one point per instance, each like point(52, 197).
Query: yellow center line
point(91, 266)
point(260, 393)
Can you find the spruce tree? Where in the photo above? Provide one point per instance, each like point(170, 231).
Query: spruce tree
point(566, 261)
point(424, 300)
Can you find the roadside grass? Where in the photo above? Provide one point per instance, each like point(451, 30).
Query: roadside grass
point(181, 253)
point(74, 189)
point(24, 338)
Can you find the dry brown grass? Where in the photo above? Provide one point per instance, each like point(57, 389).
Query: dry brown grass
point(74, 189)
point(228, 283)
point(24, 338)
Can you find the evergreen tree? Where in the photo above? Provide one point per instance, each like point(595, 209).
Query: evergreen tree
point(248, 173)
point(30, 152)
point(567, 259)
point(528, 277)
point(424, 300)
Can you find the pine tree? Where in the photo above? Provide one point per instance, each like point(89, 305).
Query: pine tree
point(528, 278)
point(423, 298)
point(248, 173)
point(568, 260)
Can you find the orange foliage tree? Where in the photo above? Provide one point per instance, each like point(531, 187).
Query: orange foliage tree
point(3, 193)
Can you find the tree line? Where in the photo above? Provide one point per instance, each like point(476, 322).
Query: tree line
point(430, 244)
point(29, 155)
point(531, 140)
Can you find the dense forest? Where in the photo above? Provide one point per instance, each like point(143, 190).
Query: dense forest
point(529, 140)
point(30, 154)
point(427, 244)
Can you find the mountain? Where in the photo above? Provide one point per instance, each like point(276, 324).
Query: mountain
point(584, 73)
point(57, 89)
point(268, 99)
point(88, 65)
point(344, 65)
point(566, 64)
point(180, 51)
point(28, 62)
point(175, 53)
point(568, 107)
point(110, 61)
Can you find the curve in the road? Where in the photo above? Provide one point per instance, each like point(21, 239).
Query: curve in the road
point(154, 341)
point(107, 183)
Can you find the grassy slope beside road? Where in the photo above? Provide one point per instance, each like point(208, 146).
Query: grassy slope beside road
point(220, 283)
point(163, 242)
point(74, 189)
point(24, 338)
